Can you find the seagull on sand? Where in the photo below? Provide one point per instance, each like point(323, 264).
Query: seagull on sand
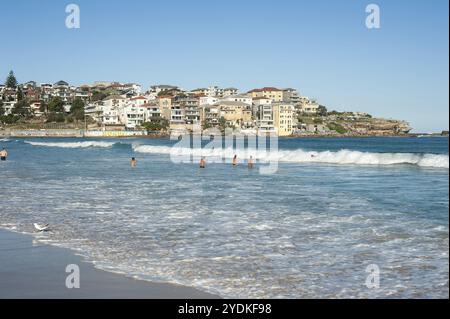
point(41, 227)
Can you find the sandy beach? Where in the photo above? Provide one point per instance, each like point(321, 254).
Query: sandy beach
point(32, 270)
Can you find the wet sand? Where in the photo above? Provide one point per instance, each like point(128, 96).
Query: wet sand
point(30, 270)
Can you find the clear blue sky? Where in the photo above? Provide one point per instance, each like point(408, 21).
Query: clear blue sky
point(320, 47)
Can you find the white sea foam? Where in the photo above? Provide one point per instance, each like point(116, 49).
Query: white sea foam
point(4, 140)
point(72, 144)
point(301, 156)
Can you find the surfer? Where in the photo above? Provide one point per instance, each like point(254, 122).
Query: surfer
point(3, 154)
point(235, 160)
point(133, 162)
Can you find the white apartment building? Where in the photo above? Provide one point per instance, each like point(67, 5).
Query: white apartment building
point(110, 115)
point(207, 100)
point(291, 95)
point(309, 106)
point(153, 113)
point(210, 114)
point(230, 91)
point(132, 116)
point(62, 90)
point(117, 101)
point(265, 118)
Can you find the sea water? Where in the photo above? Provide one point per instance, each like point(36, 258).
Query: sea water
point(333, 208)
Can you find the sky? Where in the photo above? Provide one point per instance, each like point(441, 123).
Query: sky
point(320, 47)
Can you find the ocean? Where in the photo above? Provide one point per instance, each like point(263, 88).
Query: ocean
point(332, 208)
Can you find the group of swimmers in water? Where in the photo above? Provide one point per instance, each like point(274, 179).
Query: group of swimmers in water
point(234, 162)
point(202, 163)
point(133, 162)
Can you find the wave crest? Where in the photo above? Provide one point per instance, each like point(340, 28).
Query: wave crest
point(72, 144)
point(301, 156)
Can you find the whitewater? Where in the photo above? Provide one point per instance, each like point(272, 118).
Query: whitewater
point(344, 156)
point(302, 156)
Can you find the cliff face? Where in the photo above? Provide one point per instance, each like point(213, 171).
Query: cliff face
point(349, 124)
point(376, 127)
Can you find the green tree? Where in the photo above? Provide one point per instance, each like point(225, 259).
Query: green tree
point(55, 117)
point(9, 119)
point(19, 94)
point(56, 105)
point(167, 92)
point(337, 127)
point(318, 121)
point(322, 110)
point(2, 109)
point(98, 96)
point(43, 108)
point(77, 109)
point(157, 125)
point(11, 81)
point(21, 108)
point(222, 123)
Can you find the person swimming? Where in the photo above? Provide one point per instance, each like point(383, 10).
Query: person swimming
point(250, 162)
point(133, 162)
point(202, 162)
point(3, 154)
point(235, 160)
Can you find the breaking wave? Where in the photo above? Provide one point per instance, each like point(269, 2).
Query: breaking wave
point(72, 144)
point(301, 156)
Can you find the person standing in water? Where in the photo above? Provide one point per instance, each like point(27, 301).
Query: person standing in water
point(133, 162)
point(202, 162)
point(3, 154)
point(235, 160)
point(250, 162)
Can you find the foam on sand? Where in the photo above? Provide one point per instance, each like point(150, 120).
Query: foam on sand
point(301, 156)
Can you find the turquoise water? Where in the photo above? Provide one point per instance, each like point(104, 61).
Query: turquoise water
point(333, 207)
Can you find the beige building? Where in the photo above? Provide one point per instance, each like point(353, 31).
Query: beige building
point(237, 114)
point(276, 95)
point(283, 118)
point(165, 107)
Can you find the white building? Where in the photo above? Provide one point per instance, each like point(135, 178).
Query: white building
point(138, 101)
point(153, 113)
point(309, 106)
point(117, 101)
point(205, 100)
point(8, 106)
point(132, 116)
point(62, 90)
point(111, 108)
point(110, 115)
point(243, 98)
point(230, 91)
point(265, 118)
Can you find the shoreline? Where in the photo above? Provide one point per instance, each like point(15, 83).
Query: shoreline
point(31, 270)
point(167, 136)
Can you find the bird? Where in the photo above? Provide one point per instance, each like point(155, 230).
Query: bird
point(41, 227)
